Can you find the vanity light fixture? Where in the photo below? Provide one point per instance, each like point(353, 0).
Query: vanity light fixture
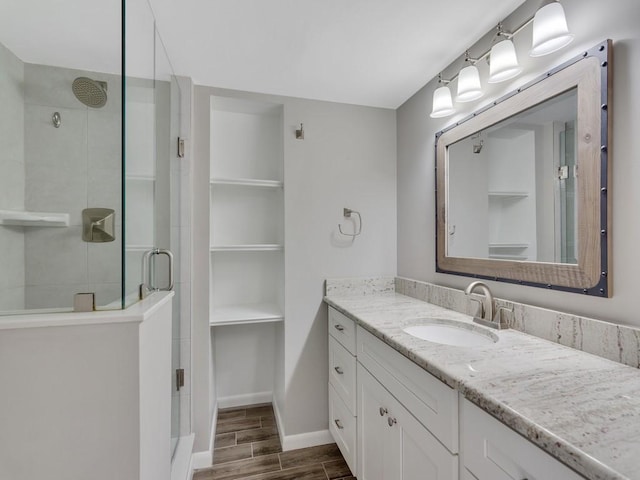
point(442, 102)
point(469, 88)
point(550, 34)
point(504, 61)
point(550, 31)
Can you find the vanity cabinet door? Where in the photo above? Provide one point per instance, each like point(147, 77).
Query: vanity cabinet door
point(492, 451)
point(392, 444)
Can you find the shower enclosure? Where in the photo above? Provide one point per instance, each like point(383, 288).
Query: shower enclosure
point(90, 176)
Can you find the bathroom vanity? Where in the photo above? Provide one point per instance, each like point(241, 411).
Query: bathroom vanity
point(518, 408)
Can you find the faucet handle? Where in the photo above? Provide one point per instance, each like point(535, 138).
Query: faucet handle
point(498, 315)
point(480, 309)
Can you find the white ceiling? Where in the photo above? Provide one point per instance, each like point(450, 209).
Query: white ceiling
point(366, 52)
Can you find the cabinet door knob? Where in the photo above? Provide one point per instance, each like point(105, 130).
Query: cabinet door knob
point(339, 370)
point(338, 424)
point(383, 411)
point(391, 421)
point(338, 327)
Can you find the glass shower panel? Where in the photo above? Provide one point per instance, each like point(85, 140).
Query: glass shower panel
point(60, 127)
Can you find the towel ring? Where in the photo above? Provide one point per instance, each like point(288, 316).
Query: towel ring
point(347, 212)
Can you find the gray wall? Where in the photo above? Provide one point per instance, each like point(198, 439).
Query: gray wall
point(591, 21)
point(12, 180)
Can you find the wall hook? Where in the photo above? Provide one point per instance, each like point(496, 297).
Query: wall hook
point(300, 133)
point(347, 212)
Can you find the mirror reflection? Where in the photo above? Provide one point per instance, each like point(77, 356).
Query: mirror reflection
point(512, 187)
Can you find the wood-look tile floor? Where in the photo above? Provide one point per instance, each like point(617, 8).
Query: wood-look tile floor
point(248, 448)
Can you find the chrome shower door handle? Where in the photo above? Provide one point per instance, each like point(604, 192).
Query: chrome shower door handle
point(148, 270)
point(160, 251)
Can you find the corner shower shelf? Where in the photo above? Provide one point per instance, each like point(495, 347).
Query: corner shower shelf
point(247, 182)
point(264, 247)
point(244, 314)
point(33, 219)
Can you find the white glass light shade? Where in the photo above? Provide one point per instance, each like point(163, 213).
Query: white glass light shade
point(550, 31)
point(442, 103)
point(469, 87)
point(503, 62)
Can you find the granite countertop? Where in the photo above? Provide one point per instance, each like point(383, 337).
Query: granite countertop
point(582, 409)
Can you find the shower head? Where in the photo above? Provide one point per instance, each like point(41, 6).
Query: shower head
point(92, 93)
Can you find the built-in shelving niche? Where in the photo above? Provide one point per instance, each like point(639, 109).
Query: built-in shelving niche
point(246, 247)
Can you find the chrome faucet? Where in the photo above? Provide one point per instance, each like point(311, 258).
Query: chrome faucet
point(486, 306)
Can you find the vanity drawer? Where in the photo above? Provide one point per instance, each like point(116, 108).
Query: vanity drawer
point(342, 425)
point(492, 451)
point(342, 373)
point(342, 329)
point(431, 402)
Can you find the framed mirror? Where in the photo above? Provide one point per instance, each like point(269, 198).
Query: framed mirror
point(521, 193)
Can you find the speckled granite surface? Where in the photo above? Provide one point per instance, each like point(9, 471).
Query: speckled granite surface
point(582, 409)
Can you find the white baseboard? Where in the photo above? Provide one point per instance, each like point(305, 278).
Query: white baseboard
point(301, 440)
point(245, 399)
point(181, 468)
point(201, 460)
point(304, 440)
point(205, 459)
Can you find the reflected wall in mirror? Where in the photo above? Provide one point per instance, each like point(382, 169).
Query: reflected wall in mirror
point(521, 194)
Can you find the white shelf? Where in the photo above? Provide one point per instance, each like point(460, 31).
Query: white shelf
point(140, 178)
point(33, 219)
point(247, 182)
point(138, 248)
point(508, 245)
point(244, 314)
point(507, 257)
point(508, 194)
point(264, 247)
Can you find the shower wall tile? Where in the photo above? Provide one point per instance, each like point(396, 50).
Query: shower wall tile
point(12, 298)
point(52, 296)
point(12, 128)
point(11, 258)
point(104, 190)
point(55, 256)
point(12, 185)
point(104, 140)
point(103, 260)
point(57, 189)
point(107, 294)
point(64, 147)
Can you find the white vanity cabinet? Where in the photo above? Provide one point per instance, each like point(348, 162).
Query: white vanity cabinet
point(392, 444)
point(492, 451)
point(342, 385)
point(392, 420)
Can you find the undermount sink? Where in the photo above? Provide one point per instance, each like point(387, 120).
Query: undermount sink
point(450, 332)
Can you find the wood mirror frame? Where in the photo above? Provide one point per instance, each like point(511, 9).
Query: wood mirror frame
point(590, 73)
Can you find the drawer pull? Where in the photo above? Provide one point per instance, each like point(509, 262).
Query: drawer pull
point(339, 370)
point(383, 411)
point(339, 424)
point(391, 421)
point(339, 327)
